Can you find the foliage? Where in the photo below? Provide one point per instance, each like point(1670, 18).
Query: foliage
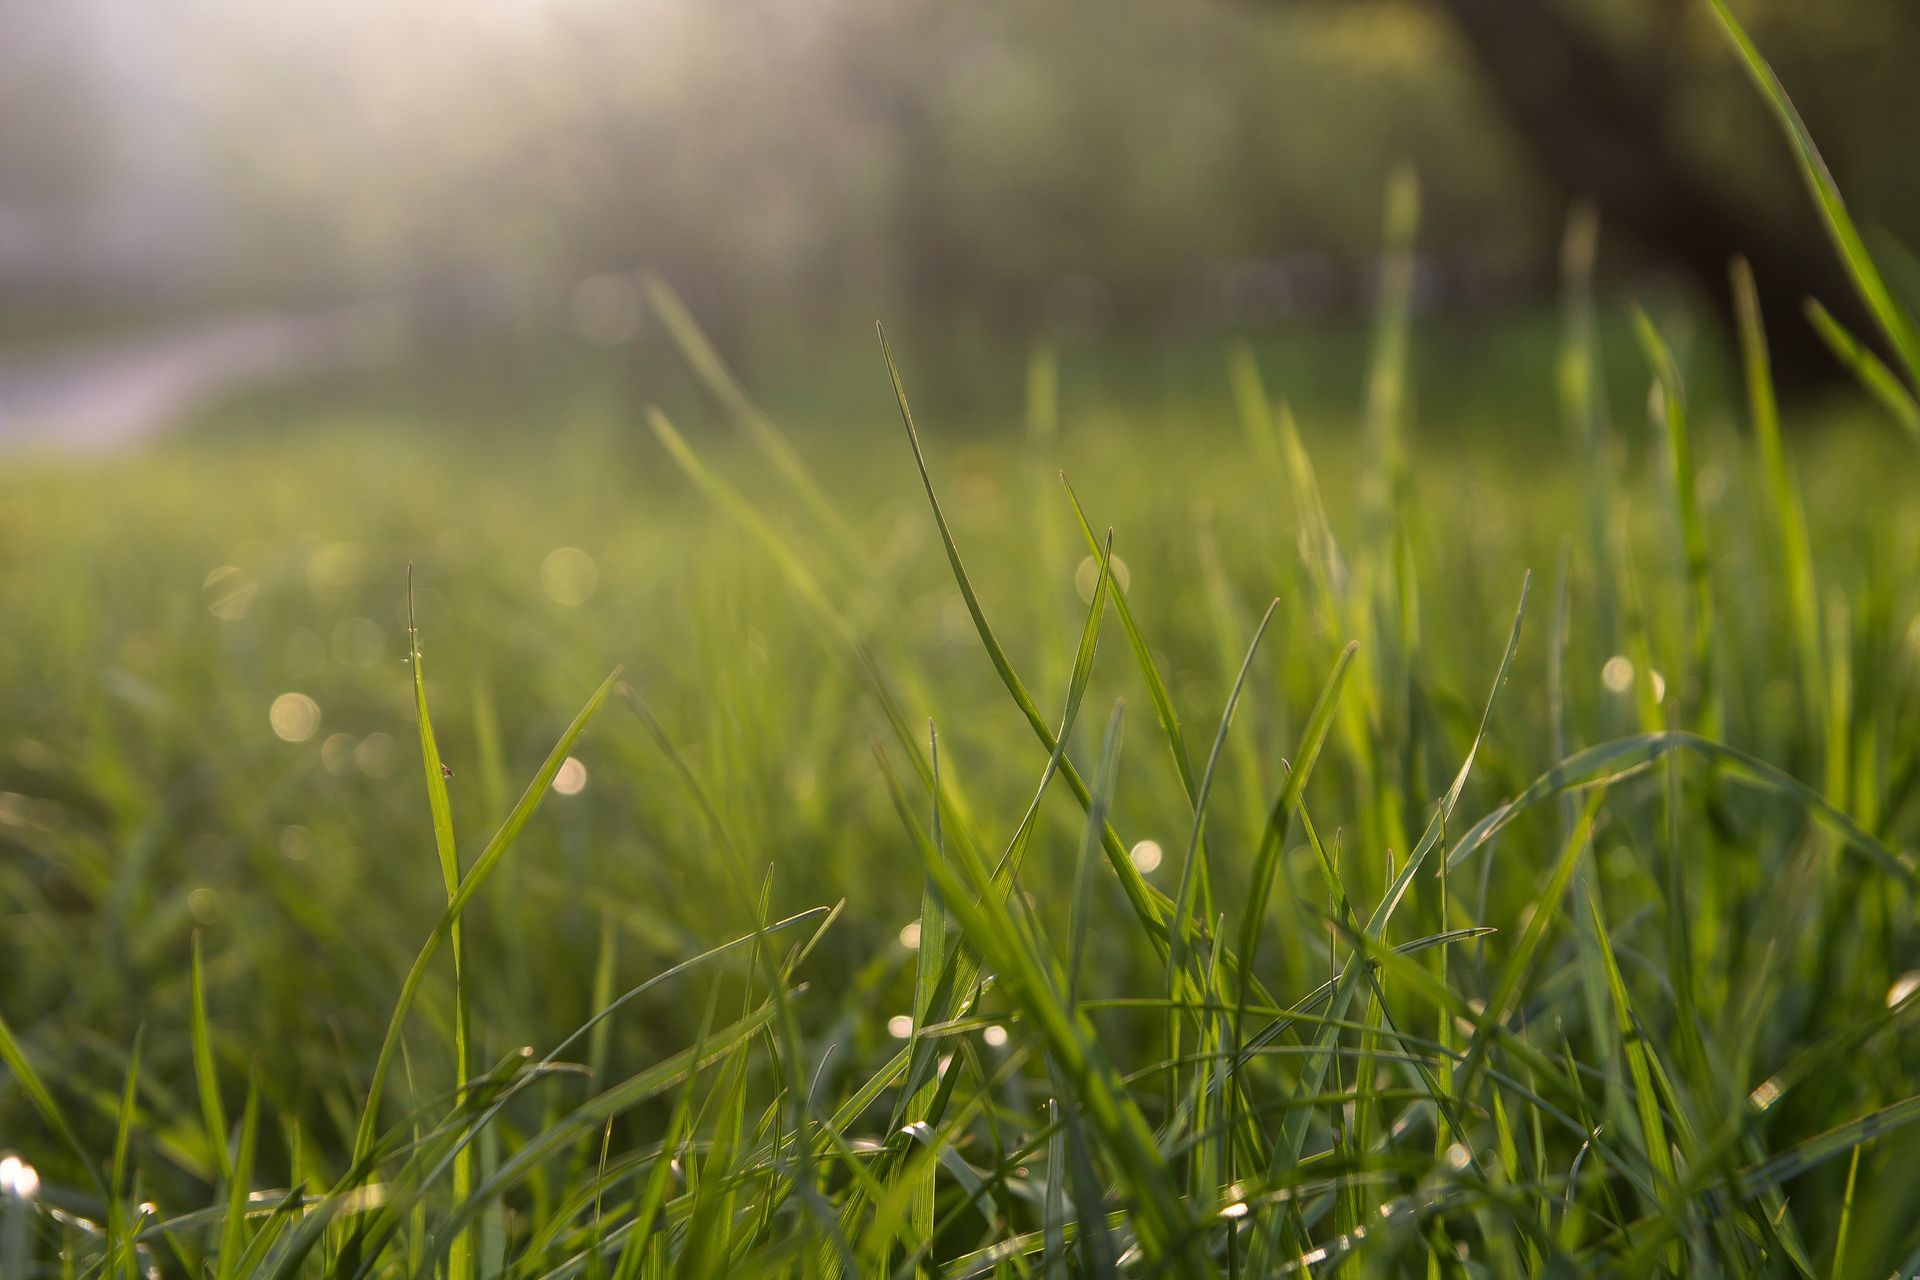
point(982, 894)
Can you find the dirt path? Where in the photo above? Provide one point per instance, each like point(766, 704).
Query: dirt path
point(108, 395)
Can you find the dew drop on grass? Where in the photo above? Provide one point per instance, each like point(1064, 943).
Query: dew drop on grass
point(18, 1178)
point(571, 779)
point(1146, 856)
point(1903, 986)
point(900, 1026)
point(910, 935)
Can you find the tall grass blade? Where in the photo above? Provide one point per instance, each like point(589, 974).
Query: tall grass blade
point(476, 875)
point(1140, 896)
point(1670, 413)
point(240, 1184)
point(1879, 381)
point(1784, 507)
point(712, 370)
point(35, 1088)
point(460, 1259)
point(205, 1076)
point(1896, 323)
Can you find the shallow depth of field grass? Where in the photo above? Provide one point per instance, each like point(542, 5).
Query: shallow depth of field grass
point(1170, 842)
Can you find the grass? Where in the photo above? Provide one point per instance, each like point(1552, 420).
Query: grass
point(1398, 850)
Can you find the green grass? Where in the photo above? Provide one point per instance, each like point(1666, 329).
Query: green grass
point(1311, 839)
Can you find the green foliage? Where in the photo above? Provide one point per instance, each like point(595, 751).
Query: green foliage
point(1474, 945)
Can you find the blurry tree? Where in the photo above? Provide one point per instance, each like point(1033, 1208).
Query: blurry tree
point(1207, 162)
point(1625, 103)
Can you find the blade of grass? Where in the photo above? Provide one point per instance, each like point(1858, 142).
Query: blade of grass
point(1784, 507)
point(460, 1258)
point(1140, 896)
point(1161, 1217)
point(1671, 415)
point(1609, 762)
point(712, 370)
point(1080, 917)
point(36, 1090)
point(1193, 873)
point(1266, 864)
point(1163, 709)
point(239, 1186)
point(1840, 1234)
point(476, 875)
point(205, 1077)
point(1879, 381)
point(1628, 1026)
point(119, 1230)
point(1895, 322)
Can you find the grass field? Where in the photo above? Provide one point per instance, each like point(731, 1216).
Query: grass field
point(1468, 832)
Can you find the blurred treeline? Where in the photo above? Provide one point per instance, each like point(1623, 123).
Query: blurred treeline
point(1061, 163)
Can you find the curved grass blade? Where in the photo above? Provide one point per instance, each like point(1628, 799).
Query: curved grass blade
point(1609, 762)
point(1193, 873)
point(1140, 896)
point(1879, 381)
point(1266, 865)
point(1785, 508)
point(240, 1182)
point(711, 369)
point(460, 1259)
point(801, 579)
point(36, 1090)
point(477, 875)
point(119, 1236)
point(1436, 828)
point(1894, 320)
point(1080, 916)
point(1163, 709)
point(1640, 1064)
point(1161, 1217)
point(206, 1079)
point(1671, 415)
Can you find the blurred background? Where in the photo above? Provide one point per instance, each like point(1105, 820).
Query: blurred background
point(199, 194)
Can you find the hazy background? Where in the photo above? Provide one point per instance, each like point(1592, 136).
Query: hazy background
point(490, 170)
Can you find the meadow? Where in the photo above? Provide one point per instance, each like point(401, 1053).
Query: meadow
point(1400, 802)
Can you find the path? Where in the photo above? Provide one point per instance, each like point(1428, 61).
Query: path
point(107, 395)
